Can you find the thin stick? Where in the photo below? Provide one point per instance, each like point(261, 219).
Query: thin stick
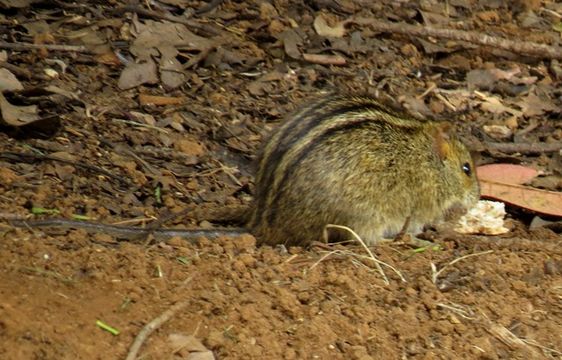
point(524, 148)
point(153, 325)
point(446, 102)
point(437, 273)
point(29, 158)
point(138, 124)
point(54, 47)
point(13, 217)
point(427, 91)
point(324, 59)
point(518, 46)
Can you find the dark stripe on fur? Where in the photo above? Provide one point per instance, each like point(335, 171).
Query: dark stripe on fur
point(296, 130)
point(303, 154)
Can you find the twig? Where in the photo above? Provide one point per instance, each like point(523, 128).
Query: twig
point(432, 87)
point(551, 12)
point(53, 47)
point(153, 325)
point(164, 153)
point(138, 124)
point(324, 59)
point(519, 46)
point(446, 102)
point(36, 157)
point(124, 150)
point(524, 148)
point(13, 217)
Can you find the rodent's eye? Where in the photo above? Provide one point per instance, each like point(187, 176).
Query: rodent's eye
point(467, 169)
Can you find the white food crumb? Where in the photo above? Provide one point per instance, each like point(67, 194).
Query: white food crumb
point(53, 74)
point(486, 218)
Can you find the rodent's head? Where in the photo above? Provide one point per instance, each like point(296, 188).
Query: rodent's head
point(459, 175)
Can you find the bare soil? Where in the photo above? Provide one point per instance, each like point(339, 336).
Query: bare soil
point(116, 159)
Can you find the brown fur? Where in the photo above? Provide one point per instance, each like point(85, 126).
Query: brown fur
point(348, 160)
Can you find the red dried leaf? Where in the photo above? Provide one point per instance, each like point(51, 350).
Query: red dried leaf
point(540, 201)
point(506, 173)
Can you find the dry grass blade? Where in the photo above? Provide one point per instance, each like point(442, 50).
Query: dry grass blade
point(371, 256)
point(514, 342)
point(435, 273)
point(330, 253)
point(460, 310)
point(501, 333)
point(507, 337)
point(551, 351)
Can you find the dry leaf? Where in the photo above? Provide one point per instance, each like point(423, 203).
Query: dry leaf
point(497, 131)
point(17, 115)
point(323, 29)
point(540, 201)
point(66, 93)
point(189, 147)
point(154, 35)
point(479, 79)
point(8, 81)
point(8, 176)
point(486, 78)
point(63, 155)
point(171, 72)
point(494, 105)
point(138, 74)
point(532, 105)
point(187, 342)
point(108, 58)
point(15, 3)
point(506, 173)
point(64, 172)
point(202, 355)
point(291, 42)
point(142, 117)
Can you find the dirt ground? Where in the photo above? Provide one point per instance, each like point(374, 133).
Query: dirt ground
point(103, 149)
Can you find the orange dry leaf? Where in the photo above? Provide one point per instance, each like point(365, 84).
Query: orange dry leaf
point(108, 58)
point(540, 201)
point(506, 173)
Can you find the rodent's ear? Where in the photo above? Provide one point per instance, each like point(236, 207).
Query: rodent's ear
point(441, 137)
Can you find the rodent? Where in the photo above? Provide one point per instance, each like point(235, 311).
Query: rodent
point(345, 160)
